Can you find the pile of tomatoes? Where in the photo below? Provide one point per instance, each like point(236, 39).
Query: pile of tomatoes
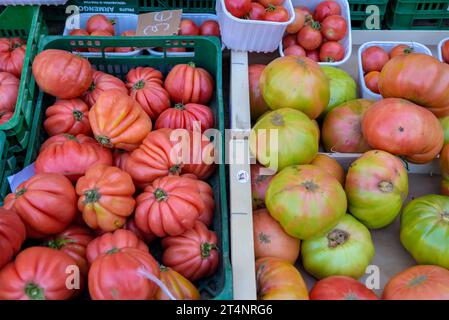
point(12, 55)
point(265, 10)
point(317, 35)
point(445, 51)
point(108, 182)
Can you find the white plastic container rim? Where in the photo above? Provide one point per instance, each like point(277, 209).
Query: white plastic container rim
point(440, 49)
point(198, 18)
point(31, 2)
point(347, 40)
point(243, 24)
point(387, 45)
point(123, 22)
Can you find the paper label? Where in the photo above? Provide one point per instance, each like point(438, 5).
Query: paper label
point(21, 176)
point(162, 23)
point(111, 6)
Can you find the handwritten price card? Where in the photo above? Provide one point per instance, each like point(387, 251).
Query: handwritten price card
point(162, 23)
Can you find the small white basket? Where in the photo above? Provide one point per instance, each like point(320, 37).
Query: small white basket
point(440, 49)
point(251, 35)
point(387, 46)
point(347, 40)
point(198, 18)
point(123, 22)
point(33, 2)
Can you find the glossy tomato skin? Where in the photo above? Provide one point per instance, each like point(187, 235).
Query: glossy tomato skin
point(118, 239)
point(425, 229)
point(341, 288)
point(71, 156)
point(331, 166)
point(191, 116)
point(187, 83)
point(372, 81)
point(413, 77)
point(101, 33)
point(297, 139)
point(194, 254)
point(445, 51)
point(345, 250)
point(374, 58)
point(115, 109)
point(286, 82)
point(401, 49)
point(12, 55)
point(270, 240)
point(341, 131)
point(67, 116)
point(130, 225)
point(207, 195)
point(425, 282)
point(145, 86)
point(403, 128)
point(279, 280)
point(28, 277)
point(105, 197)
point(289, 40)
point(188, 28)
point(292, 200)
point(332, 51)
point(100, 22)
point(257, 12)
point(267, 3)
point(101, 82)
point(260, 179)
point(298, 23)
point(238, 8)
point(276, 14)
point(376, 186)
point(116, 275)
point(46, 203)
point(210, 28)
point(9, 89)
point(313, 55)
point(12, 235)
point(309, 37)
point(54, 72)
point(257, 104)
point(177, 285)
point(119, 158)
point(334, 28)
point(295, 50)
point(325, 9)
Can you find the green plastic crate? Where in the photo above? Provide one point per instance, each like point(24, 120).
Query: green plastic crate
point(359, 14)
point(25, 22)
point(207, 54)
point(418, 14)
point(189, 6)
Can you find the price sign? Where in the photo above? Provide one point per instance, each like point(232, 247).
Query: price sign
point(162, 23)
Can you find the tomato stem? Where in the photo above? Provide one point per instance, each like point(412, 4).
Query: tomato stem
point(163, 268)
point(91, 87)
point(58, 243)
point(179, 106)
point(176, 169)
point(20, 192)
point(139, 85)
point(91, 196)
point(206, 249)
point(385, 186)
point(112, 251)
point(160, 195)
point(191, 64)
point(34, 292)
point(337, 237)
point(70, 137)
point(105, 141)
point(264, 238)
point(310, 186)
point(277, 119)
point(78, 115)
point(270, 8)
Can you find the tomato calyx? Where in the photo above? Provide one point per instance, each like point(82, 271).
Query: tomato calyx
point(91, 87)
point(416, 281)
point(337, 237)
point(113, 22)
point(34, 292)
point(179, 106)
point(264, 238)
point(206, 248)
point(20, 192)
point(112, 251)
point(70, 137)
point(270, 8)
point(310, 186)
point(330, 59)
point(191, 64)
point(408, 50)
point(163, 268)
point(91, 196)
point(58, 243)
point(104, 141)
point(385, 186)
point(277, 120)
point(315, 25)
point(139, 85)
point(174, 170)
point(445, 216)
point(78, 115)
point(160, 195)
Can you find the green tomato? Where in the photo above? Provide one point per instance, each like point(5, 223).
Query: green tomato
point(445, 124)
point(425, 230)
point(342, 87)
point(346, 250)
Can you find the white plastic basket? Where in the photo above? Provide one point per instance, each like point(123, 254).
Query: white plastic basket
point(347, 40)
point(32, 2)
point(387, 46)
point(440, 47)
point(251, 35)
point(123, 22)
point(198, 18)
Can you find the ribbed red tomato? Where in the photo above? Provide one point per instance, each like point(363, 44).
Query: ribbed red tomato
point(130, 225)
point(71, 156)
point(188, 28)
point(156, 157)
point(38, 273)
point(188, 83)
point(73, 241)
point(117, 275)
point(194, 254)
point(334, 28)
point(12, 55)
point(179, 287)
point(101, 82)
point(79, 32)
point(207, 195)
point(9, 89)
point(325, 9)
point(67, 116)
point(100, 33)
point(190, 116)
point(119, 158)
point(210, 28)
point(12, 235)
point(99, 22)
point(128, 33)
point(145, 85)
point(341, 288)
point(119, 239)
point(46, 203)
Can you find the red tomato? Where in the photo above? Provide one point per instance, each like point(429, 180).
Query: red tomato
point(188, 28)
point(374, 58)
point(400, 49)
point(79, 32)
point(334, 28)
point(276, 14)
point(12, 235)
point(372, 81)
point(238, 8)
point(310, 37)
point(257, 11)
point(210, 28)
point(332, 51)
point(295, 50)
point(100, 33)
point(313, 54)
point(306, 10)
point(325, 9)
point(267, 3)
point(445, 51)
point(289, 40)
point(5, 116)
point(100, 22)
point(298, 23)
point(341, 288)
point(129, 33)
point(9, 89)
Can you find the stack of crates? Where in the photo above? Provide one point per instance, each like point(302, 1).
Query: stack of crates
point(362, 10)
point(418, 15)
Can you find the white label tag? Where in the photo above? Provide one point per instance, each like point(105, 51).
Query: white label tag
point(21, 176)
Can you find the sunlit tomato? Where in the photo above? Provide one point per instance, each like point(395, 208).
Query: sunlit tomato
point(372, 81)
point(188, 28)
point(334, 28)
point(295, 50)
point(325, 9)
point(310, 37)
point(276, 14)
point(374, 58)
point(332, 51)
